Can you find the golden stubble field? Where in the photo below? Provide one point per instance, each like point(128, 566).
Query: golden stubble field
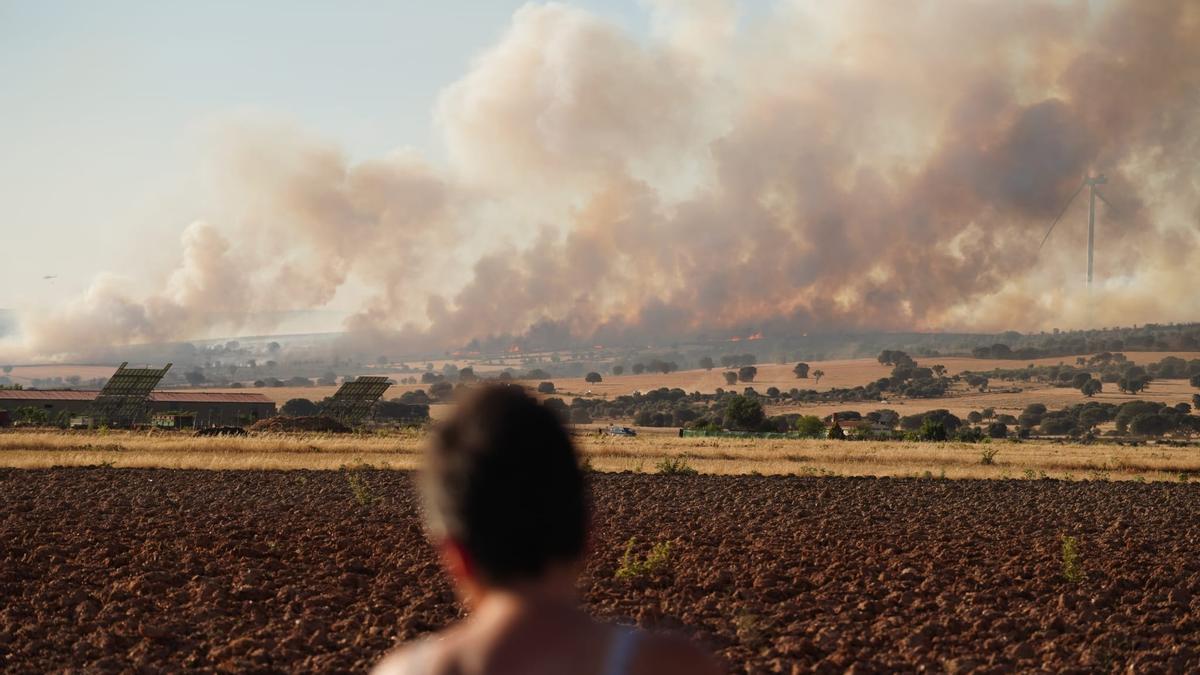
point(1071, 461)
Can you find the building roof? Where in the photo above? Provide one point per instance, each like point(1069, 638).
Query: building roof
point(158, 396)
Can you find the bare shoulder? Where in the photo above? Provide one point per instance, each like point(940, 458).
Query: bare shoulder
point(395, 663)
point(414, 657)
point(668, 654)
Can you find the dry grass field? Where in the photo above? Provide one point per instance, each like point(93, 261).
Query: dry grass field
point(605, 453)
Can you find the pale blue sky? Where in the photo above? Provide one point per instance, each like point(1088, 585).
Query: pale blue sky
point(102, 105)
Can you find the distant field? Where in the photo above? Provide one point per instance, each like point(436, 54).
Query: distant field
point(839, 373)
point(642, 454)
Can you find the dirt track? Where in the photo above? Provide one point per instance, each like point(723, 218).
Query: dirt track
point(281, 571)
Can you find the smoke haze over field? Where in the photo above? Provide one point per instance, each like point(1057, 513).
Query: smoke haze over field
point(853, 165)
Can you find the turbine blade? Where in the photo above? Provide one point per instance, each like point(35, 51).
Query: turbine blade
point(1104, 199)
point(1061, 214)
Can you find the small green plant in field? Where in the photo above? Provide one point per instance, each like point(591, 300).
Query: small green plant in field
point(749, 626)
point(942, 474)
point(1183, 477)
point(1072, 563)
point(675, 467)
point(1139, 479)
point(988, 456)
point(107, 464)
point(1030, 474)
point(634, 566)
point(1068, 477)
point(359, 487)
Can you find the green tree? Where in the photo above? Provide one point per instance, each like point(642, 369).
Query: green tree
point(730, 377)
point(817, 375)
point(1091, 387)
point(747, 373)
point(1133, 384)
point(810, 426)
point(1151, 424)
point(592, 377)
point(707, 363)
point(618, 370)
point(932, 430)
point(801, 370)
point(299, 407)
point(743, 413)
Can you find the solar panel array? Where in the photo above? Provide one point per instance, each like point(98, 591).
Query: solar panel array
point(352, 402)
point(125, 398)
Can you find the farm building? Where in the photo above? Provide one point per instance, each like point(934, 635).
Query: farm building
point(207, 408)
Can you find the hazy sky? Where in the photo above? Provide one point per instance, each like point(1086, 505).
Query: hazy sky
point(104, 109)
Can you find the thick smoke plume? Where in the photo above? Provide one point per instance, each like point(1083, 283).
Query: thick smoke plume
point(858, 165)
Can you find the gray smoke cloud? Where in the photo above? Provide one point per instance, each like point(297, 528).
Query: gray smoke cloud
point(826, 165)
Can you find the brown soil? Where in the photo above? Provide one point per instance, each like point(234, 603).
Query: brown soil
point(126, 569)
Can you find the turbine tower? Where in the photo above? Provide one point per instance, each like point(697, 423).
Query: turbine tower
point(1090, 182)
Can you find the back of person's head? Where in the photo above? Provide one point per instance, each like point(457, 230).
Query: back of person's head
point(503, 481)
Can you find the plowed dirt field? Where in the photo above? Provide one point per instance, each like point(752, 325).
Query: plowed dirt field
point(132, 569)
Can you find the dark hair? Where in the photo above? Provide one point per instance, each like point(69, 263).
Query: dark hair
point(503, 480)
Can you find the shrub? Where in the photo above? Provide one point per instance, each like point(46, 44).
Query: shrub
point(545, 387)
point(441, 390)
point(299, 407)
point(988, 456)
point(359, 487)
point(1072, 562)
point(730, 377)
point(997, 430)
point(592, 377)
point(632, 566)
point(747, 373)
point(675, 467)
point(970, 435)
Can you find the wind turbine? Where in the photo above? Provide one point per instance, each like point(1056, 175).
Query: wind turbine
point(1091, 182)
